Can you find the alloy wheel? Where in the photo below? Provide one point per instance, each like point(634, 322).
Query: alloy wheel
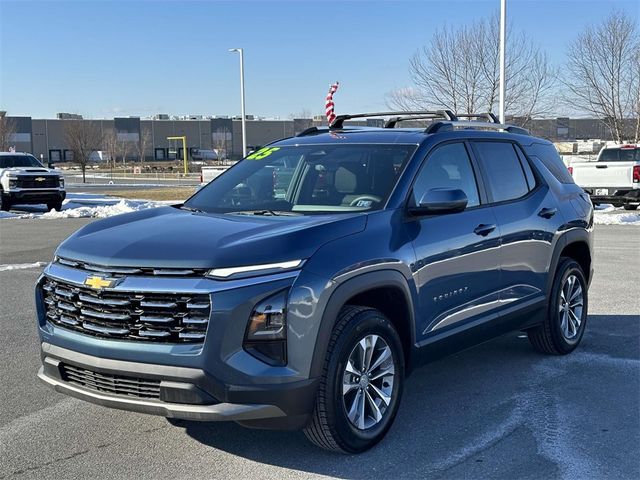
point(570, 307)
point(368, 382)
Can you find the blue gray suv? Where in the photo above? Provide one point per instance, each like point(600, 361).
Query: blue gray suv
point(301, 287)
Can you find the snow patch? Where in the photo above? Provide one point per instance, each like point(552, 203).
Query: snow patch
point(612, 217)
point(21, 266)
point(82, 205)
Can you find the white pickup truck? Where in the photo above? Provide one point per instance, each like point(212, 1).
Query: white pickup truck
point(613, 178)
point(23, 180)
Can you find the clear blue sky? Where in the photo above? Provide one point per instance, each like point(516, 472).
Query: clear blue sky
point(105, 59)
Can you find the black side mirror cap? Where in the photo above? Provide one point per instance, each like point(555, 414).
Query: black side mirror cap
point(441, 200)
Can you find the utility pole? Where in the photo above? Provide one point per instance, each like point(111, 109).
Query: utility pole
point(503, 40)
point(244, 115)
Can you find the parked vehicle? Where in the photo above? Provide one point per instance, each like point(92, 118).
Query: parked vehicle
point(613, 178)
point(306, 302)
point(24, 180)
point(202, 154)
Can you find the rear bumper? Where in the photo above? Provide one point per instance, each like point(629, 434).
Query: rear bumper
point(618, 197)
point(184, 393)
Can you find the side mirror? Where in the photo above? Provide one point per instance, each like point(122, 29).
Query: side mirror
point(441, 200)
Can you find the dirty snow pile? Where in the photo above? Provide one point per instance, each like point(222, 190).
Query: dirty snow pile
point(607, 214)
point(81, 205)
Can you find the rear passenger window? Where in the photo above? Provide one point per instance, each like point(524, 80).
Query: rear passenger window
point(549, 157)
point(448, 166)
point(531, 179)
point(503, 169)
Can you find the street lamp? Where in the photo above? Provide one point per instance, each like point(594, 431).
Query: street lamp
point(244, 116)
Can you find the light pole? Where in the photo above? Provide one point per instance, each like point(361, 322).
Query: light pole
point(503, 40)
point(244, 116)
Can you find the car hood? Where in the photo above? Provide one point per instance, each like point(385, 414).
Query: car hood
point(30, 170)
point(168, 237)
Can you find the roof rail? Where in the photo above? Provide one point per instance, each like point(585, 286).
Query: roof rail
point(465, 124)
point(445, 114)
point(488, 116)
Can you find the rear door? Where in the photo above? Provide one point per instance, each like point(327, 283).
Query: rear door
point(528, 216)
point(457, 254)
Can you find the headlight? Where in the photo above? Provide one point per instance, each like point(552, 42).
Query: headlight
point(253, 270)
point(266, 334)
point(61, 180)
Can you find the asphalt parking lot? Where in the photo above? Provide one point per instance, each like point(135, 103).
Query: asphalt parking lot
point(499, 410)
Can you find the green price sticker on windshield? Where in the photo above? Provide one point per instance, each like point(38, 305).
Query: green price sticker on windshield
point(262, 153)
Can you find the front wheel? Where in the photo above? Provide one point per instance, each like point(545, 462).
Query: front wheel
point(57, 206)
point(361, 383)
point(630, 207)
point(564, 325)
point(5, 203)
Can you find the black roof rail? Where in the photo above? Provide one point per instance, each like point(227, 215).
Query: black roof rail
point(308, 131)
point(465, 124)
point(445, 114)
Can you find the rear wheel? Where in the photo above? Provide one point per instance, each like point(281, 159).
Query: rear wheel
point(563, 327)
point(361, 383)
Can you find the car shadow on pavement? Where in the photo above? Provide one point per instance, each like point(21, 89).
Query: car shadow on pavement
point(482, 413)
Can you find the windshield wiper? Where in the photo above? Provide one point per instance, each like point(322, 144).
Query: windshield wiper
point(190, 209)
point(265, 212)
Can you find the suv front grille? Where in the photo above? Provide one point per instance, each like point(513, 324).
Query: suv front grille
point(149, 317)
point(114, 384)
point(50, 181)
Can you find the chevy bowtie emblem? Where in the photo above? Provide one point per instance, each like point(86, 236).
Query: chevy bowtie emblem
point(40, 179)
point(99, 283)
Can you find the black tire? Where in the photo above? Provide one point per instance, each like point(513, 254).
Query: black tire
point(57, 206)
point(330, 427)
point(630, 207)
point(5, 203)
point(548, 338)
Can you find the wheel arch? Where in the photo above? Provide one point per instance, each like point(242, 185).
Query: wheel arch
point(575, 244)
point(385, 290)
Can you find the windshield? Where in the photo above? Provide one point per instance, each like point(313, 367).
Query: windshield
point(10, 161)
point(620, 155)
point(306, 179)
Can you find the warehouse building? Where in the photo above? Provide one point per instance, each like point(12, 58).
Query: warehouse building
point(45, 138)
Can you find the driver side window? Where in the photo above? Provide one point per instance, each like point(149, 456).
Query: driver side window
point(448, 167)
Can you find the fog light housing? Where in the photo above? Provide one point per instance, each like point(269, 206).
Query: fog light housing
point(266, 334)
point(13, 183)
point(61, 180)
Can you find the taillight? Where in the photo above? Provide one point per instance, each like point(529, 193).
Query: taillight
point(570, 170)
point(636, 174)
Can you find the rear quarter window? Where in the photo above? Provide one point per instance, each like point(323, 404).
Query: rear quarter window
point(549, 157)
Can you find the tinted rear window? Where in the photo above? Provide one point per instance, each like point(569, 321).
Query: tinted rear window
point(506, 178)
point(620, 155)
point(549, 157)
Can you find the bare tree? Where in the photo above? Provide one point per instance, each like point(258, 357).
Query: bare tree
point(602, 73)
point(7, 132)
point(459, 70)
point(304, 113)
point(110, 145)
point(220, 142)
point(83, 138)
point(124, 147)
point(143, 143)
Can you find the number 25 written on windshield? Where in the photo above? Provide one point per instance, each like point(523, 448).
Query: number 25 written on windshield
point(262, 153)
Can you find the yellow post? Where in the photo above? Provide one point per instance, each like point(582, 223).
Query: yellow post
point(184, 150)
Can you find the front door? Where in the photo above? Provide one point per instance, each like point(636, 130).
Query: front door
point(457, 265)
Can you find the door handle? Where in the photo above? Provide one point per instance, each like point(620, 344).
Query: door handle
point(547, 212)
point(484, 229)
point(602, 166)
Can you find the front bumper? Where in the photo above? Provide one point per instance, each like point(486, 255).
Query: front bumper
point(32, 196)
point(183, 391)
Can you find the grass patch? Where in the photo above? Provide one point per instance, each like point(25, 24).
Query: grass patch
point(169, 193)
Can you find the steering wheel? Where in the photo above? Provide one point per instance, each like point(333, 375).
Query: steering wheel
point(364, 198)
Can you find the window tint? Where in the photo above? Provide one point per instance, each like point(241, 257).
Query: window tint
point(531, 179)
point(504, 171)
point(549, 157)
point(448, 167)
point(619, 155)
